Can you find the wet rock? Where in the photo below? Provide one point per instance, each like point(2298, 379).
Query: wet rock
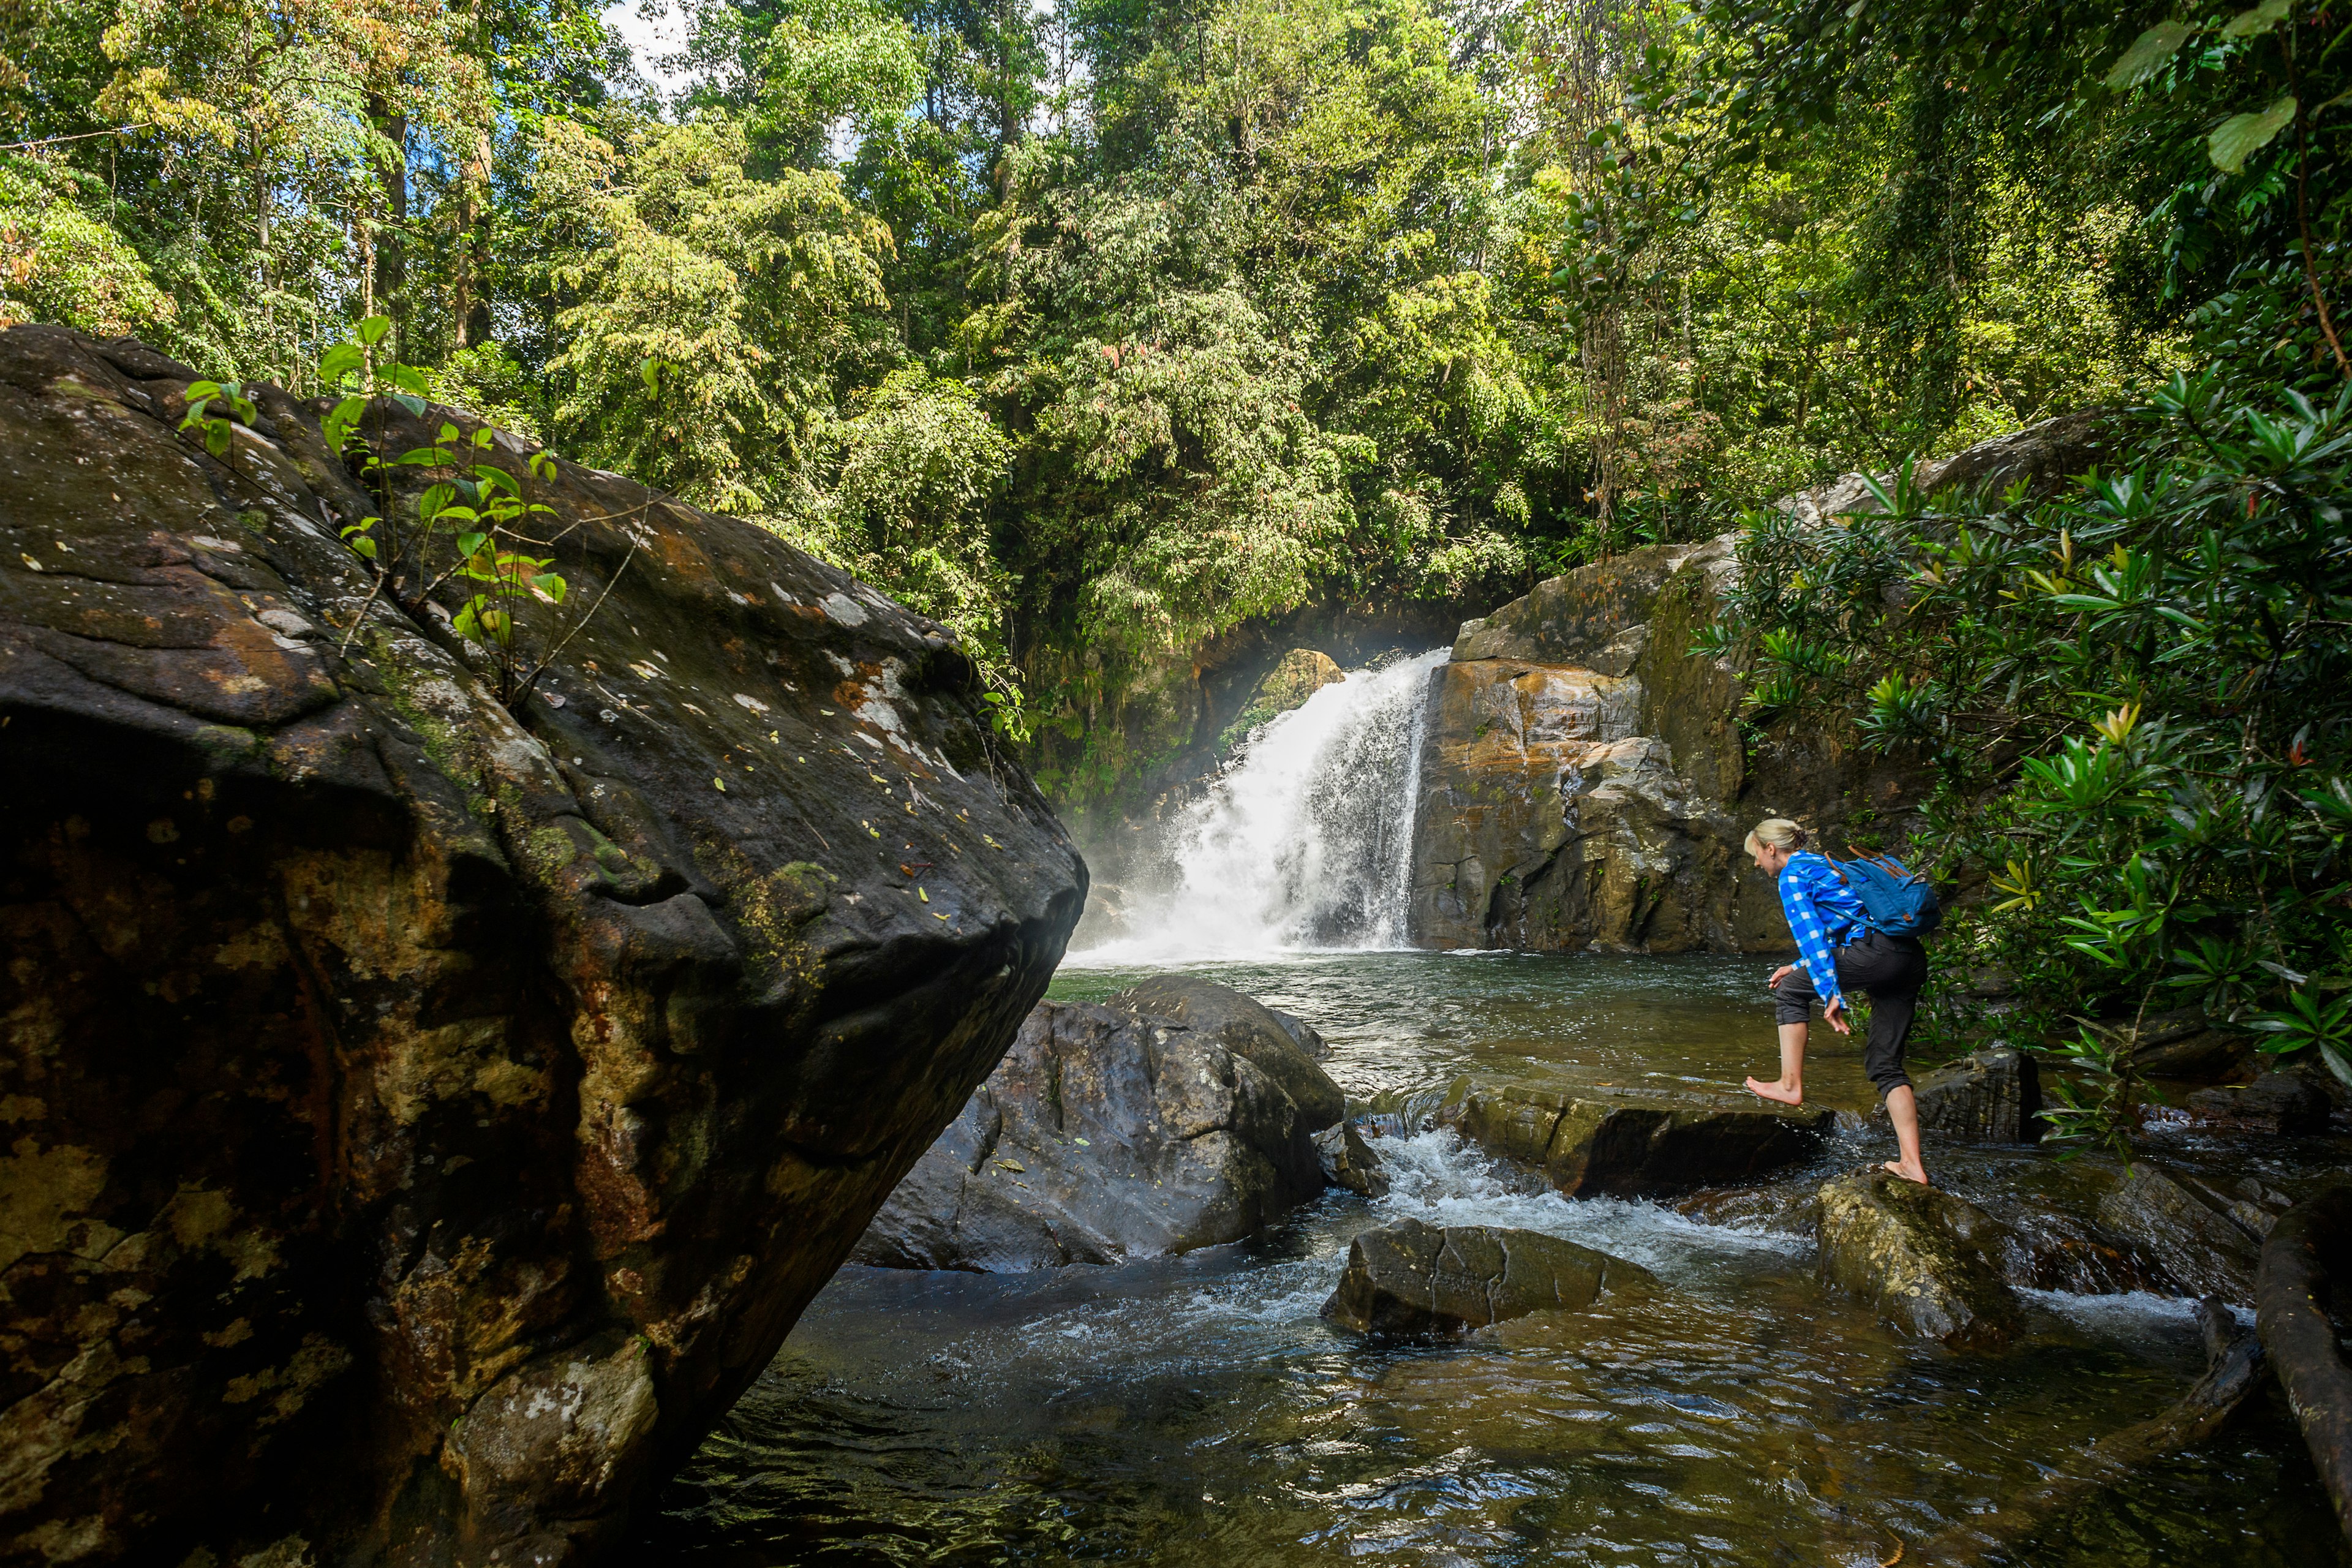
point(1991, 1096)
point(1101, 1137)
point(1248, 1028)
point(427, 1119)
point(1411, 1278)
point(1302, 1034)
point(2201, 1247)
point(1296, 677)
point(2276, 1102)
point(1591, 1144)
point(1927, 1260)
point(1348, 1161)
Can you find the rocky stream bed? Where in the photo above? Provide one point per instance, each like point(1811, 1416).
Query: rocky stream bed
point(1729, 1371)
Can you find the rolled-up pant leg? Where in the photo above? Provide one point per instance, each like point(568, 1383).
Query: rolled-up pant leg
point(1890, 971)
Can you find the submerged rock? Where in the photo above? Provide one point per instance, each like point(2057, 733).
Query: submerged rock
point(427, 1118)
point(1102, 1136)
point(1927, 1260)
point(1248, 1028)
point(1991, 1096)
point(1591, 1144)
point(1411, 1278)
point(2280, 1102)
point(1348, 1161)
point(2206, 1251)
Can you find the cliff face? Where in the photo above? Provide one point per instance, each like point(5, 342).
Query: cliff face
point(421, 1121)
point(1577, 769)
point(1584, 782)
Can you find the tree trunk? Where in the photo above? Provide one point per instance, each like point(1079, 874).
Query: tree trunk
point(392, 170)
point(469, 307)
point(2307, 1254)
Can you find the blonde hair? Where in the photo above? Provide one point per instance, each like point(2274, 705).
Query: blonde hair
point(1778, 833)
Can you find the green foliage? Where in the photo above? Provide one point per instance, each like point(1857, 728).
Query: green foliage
point(466, 524)
point(2137, 698)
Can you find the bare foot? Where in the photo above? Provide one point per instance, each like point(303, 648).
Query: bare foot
point(1774, 1092)
point(1908, 1173)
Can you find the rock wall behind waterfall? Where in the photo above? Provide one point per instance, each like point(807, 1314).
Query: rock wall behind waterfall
point(421, 1121)
point(1583, 780)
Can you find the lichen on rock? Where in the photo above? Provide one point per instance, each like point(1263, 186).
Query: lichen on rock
point(423, 1119)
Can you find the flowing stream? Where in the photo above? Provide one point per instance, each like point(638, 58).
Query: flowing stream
point(1199, 1411)
point(1304, 841)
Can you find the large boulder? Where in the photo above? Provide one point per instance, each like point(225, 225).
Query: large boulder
point(1928, 1261)
point(427, 1117)
point(2186, 1231)
point(1562, 805)
point(1991, 1096)
point(1594, 1143)
point(1103, 1136)
point(2042, 457)
point(1412, 1277)
point(1279, 1046)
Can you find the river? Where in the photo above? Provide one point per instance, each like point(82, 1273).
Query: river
point(1200, 1411)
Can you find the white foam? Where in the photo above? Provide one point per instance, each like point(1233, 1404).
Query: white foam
point(1305, 841)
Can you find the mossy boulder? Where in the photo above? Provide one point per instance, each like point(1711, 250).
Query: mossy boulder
point(1413, 1277)
point(1594, 1143)
point(1296, 677)
point(1927, 1260)
point(427, 1116)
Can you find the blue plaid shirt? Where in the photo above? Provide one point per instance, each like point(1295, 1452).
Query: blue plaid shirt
point(1823, 913)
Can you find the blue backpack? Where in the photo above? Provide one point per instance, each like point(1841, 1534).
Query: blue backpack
point(1893, 899)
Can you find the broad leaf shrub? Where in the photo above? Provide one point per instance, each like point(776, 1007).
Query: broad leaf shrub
point(2133, 700)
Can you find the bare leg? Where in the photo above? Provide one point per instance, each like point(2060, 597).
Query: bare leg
point(1902, 1109)
point(1791, 1088)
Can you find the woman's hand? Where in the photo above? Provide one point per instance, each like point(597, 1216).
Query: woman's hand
point(1835, 1013)
point(1781, 974)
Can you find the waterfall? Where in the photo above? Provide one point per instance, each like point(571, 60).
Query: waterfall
point(1305, 840)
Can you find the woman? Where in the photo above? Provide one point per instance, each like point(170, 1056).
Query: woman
point(1840, 947)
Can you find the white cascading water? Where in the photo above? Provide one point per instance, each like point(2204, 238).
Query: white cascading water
point(1306, 839)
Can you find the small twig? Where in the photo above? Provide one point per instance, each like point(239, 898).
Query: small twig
point(532, 680)
point(365, 606)
point(79, 136)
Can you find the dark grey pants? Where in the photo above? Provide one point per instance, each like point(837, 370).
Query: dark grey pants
point(1890, 970)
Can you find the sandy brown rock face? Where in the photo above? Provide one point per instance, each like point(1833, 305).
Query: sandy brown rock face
point(1554, 813)
point(422, 1120)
